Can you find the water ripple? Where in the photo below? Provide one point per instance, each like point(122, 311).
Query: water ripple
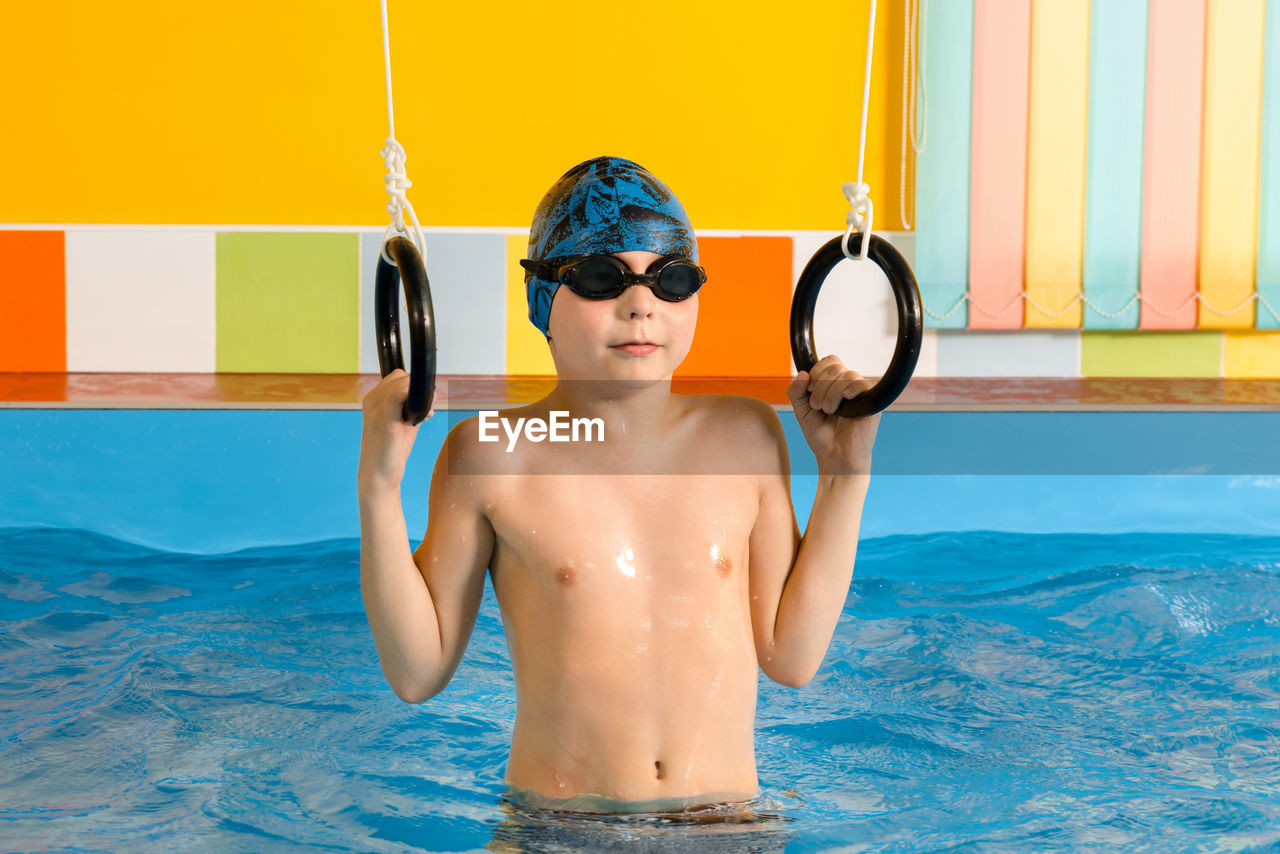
point(983, 691)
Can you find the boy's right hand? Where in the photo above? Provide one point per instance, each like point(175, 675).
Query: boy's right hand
point(386, 438)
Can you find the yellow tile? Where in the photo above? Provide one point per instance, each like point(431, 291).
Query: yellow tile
point(527, 350)
point(1251, 354)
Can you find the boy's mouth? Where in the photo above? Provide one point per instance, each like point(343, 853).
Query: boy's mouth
point(636, 347)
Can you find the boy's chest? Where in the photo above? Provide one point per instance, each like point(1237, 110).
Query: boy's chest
point(622, 531)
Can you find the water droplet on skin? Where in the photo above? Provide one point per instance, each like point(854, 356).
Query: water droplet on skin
point(626, 562)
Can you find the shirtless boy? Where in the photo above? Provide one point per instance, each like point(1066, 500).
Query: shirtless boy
point(642, 579)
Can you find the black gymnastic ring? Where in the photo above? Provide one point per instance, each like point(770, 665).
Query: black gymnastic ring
point(910, 326)
point(408, 267)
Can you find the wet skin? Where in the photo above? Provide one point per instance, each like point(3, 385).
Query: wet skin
point(621, 568)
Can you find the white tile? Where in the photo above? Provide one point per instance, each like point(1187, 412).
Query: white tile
point(1009, 353)
point(141, 300)
point(467, 273)
point(856, 317)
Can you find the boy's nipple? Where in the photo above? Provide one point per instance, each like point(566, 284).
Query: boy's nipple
point(564, 575)
point(720, 561)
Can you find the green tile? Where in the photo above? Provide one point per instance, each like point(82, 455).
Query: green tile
point(1151, 353)
point(288, 303)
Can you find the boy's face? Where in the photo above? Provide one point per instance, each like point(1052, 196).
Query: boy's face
point(586, 335)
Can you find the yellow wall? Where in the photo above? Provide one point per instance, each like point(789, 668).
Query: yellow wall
point(239, 112)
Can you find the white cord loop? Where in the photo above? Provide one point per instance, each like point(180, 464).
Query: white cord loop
point(860, 216)
point(856, 192)
point(397, 180)
point(913, 119)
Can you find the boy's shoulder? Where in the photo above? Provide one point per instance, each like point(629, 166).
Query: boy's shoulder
point(742, 422)
point(464, 453)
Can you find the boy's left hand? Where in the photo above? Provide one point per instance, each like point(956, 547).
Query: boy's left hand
point(842, 445)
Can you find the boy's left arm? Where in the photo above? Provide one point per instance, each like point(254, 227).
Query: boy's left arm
point(799, 585)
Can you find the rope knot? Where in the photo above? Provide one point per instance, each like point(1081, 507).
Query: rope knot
point(397, 183)
point(860, 216)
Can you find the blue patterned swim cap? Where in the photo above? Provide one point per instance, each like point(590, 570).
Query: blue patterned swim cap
point(604, 205)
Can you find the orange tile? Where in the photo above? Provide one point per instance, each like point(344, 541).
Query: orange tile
point(743, 309)
point(33, 301)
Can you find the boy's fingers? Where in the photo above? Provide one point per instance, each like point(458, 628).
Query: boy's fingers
point(852, 384)
point(798, 393)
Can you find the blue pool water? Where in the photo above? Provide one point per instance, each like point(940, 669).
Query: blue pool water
point(984, 691)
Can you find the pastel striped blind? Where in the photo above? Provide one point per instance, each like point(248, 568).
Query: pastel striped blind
point(1123, 157)
point(1269, 207)
point(1113, 176)
point(942, 169)
point(998, 162)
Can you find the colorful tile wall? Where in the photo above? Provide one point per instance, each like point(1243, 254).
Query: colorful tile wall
point(1107, 353)
point(466, 273)
point(288, 302)
point(857, 316)
point(33, 315)
point(1249, 353)
point(140, 301)
point(527, 350)
point(743, 309)
point(188, 300)
point(1009, 353)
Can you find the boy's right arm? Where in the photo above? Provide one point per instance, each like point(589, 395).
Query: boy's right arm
point(421, 606)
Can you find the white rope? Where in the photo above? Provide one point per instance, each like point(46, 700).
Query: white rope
point(968, 296)
point(397, 181)
point(859, 205)
point(913, 121)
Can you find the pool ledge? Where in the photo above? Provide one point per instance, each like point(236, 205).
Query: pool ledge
point(471, 392)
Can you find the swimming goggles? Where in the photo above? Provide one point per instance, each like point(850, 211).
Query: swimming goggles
point(671, 277)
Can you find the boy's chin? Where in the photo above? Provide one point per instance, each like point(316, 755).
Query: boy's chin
point(637, 378)
point(637, 384)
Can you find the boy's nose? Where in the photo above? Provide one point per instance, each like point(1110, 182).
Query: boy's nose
point(637, 300)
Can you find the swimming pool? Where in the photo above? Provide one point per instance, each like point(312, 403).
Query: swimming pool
point(1018, 690)
point(174, 680)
